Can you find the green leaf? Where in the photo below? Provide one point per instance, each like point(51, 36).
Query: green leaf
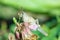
point(12, 28)
point(14, 20)
point(33, 5)
point(59, 36)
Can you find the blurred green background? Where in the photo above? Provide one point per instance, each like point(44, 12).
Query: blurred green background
point(47, 11)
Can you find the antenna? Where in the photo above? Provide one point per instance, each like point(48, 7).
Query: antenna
point(20, 14)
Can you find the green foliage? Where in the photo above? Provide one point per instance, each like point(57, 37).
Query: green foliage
point(7, 12)
point(12, 28)
point(53, 6)
point(8, 9)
